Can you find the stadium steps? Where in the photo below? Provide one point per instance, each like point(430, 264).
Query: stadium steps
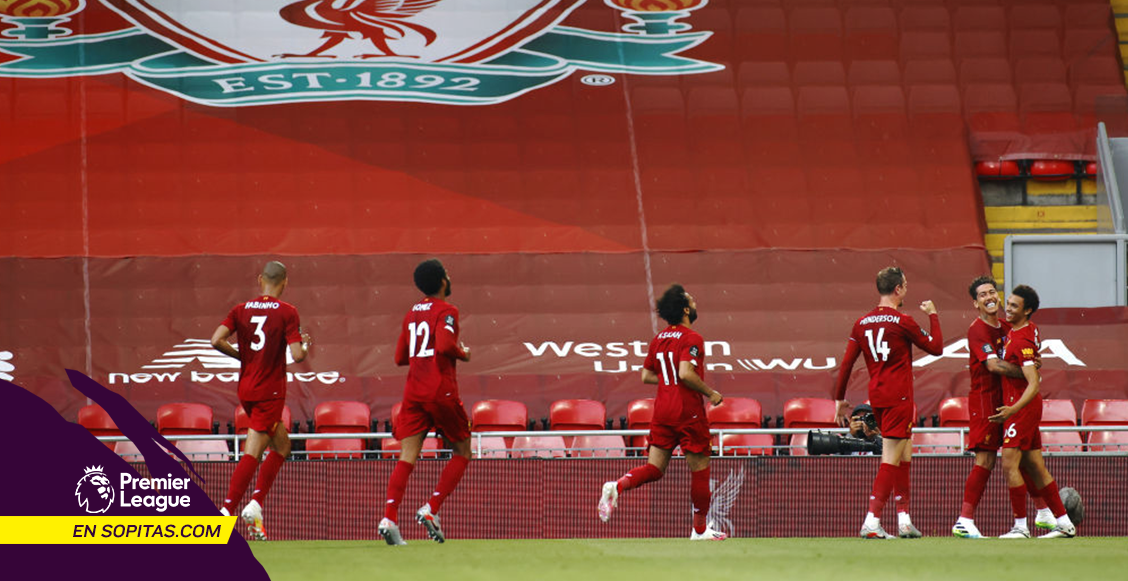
point(1003, 221)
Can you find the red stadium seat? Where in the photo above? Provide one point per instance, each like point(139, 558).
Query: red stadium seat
point(985, 70)
point(204, 450)
point(1097, 70)
point(932, 443)
point(980, 44)
point(1028, 43)
point(998, 170)
point(1086, 96)
point(639, 413)
point(1087, 15)
point(390, 448)
point(798, 445)
point(130, 452)
point(1108, 442)
point(930, 72)
point(498, 415)
point(735, 412)
point(935, 112)
point(746, 445)
point(815, 33)
point(809, 412)
point(1058, 412)
point(824, 114)
point(538, 447)
point(177, 419)
point(1034, 17)
point(1088, 43)
point(342, 449)
point(492, 447)
point(1090, 172)
point(342, 417)
point(819, 73)
point(934, 18)
point(1039, 70)
point(597, 447)
point(871, 33)
point(577, 414)
point(874, 72)
point(761, 34)
point(1061, 442)
point(979, 18)
point(1104, 412)
point(98, 422)
point(917, 45)
point(242, 422)
point(763, 74)
point(954, 413)
point(1052, 170)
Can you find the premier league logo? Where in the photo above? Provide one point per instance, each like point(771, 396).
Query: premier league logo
point(94, 492)
point(468, 52)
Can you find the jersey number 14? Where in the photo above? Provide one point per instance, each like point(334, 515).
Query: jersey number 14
point(878, 346)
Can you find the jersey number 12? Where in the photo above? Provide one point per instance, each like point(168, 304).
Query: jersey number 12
point(422, 330)
point(878, 346)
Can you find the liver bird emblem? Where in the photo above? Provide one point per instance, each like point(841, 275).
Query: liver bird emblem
point(378, 21)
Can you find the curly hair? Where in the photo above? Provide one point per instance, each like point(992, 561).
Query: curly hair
point(1029, 298)
point(973, 290)
point(671, 306)
point(429, 276)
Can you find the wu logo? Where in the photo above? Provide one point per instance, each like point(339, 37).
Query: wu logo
point(459, 52)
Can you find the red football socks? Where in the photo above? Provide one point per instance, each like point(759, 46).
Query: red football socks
point(1039, 502)
point(882, 485)
point(239, 481)
point(1050, 496)
point(1018, 500)
point(396, 485)
point(700, 495)
point(267, 473)
point(901, 487)
point(448, 480)
point(639, 476)
point(973, 490)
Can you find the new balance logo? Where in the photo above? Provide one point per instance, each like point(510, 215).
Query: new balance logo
point(193, 353)
point(191, 350)
point(6, 367)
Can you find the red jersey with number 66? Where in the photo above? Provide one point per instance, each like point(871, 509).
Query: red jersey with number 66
point(428, 344)
point(676, 403)
point(265, 328)
point(884, 337)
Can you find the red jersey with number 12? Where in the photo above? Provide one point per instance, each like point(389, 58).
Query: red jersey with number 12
point(885, 338)
point(428, 343)
point(676, 403)
point(264, 328)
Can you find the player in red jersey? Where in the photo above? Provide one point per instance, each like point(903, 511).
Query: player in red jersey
point(429, 346)
point(265, 328)
point(1020, 415)
point(985, 340)
point(676, 363)
point(884, 337)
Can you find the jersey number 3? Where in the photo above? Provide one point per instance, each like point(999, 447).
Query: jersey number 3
point(260, 337)
point(878, 346)
point(423, 331)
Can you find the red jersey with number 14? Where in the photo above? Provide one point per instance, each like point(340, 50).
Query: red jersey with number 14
point(264, 328)
point(428, 344)
point(884, 337)
point(676, 403)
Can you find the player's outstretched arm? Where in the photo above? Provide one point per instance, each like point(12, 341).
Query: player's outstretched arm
point(1033, 386)
point(688, 375)
point(221, 344)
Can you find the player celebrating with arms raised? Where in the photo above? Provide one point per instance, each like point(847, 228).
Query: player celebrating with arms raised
point(676, 363)
point(264, 327)
point(884, 337)
point(1020, 416)
point(429, 346)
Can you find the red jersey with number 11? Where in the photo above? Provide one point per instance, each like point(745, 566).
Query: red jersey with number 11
point(676, 403)
point(428, 343)
point(264, 328)
point(885, 338)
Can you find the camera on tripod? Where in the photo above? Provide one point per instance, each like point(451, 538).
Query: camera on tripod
point(822, 443)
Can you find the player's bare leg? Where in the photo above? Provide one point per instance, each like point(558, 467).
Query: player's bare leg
point(892, 451)
point(1033, 464)
point(279, 444)
point(902, 494)
point(409, 453)
point(973, 492)
point(700, 495)
point(655, 468)
point(448, 481)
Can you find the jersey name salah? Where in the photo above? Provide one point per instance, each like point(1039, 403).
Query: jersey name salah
point(676, 402)
point(264, 329)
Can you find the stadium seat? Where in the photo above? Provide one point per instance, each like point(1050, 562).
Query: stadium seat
point(204, 450)
point(639, 413)
point(98, 422)
point(735, 412)
point(763, 74)
point(980, 44)
point(809, 412)
point(577, 414)
point(178, 419)
point(932, 443)
point(979, 18)
point(1052, 170)
point(490, 447)
point(997, 170)
point(1087, 43)
point(815, 33)
point(985, 70)
point(921, 17)
point(129, 451)
point(874, 72)
point(1036, 17)
point(242, 422)
point(870, 33)
point(1079, 15)
point(761, 34)
point(798, 445)
point(830, 73)
point(1028, 43)
point(597, 447)
point(925, 45)
point(746, 444)
point(1108, 442)
point(1061, 442)
point(342, 417)
point(1058, 412)
point(1095, 71)
point(1104, 412)
point(498, 415)
point(538, 447)
point(342, 449)
point(1039, 70)
point(954, 413)
point(930, 72)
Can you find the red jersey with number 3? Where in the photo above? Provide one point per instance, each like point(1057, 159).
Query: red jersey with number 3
point(264, 328)
point(676, 402)
point(428, 344)
point(884, 337)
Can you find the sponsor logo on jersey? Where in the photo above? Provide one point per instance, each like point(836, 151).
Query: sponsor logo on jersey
point(455, 52)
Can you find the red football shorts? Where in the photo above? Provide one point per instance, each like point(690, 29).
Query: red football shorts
point(447, 417)
point(1021, 430)
point(895, 421)
point(265, 415)
point(692, 435)
point(984, 435)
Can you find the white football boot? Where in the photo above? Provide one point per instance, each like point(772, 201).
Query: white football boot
point(708, 535)
point(1045, 519)
point(430, 521)
point(252, 515)
point(966, 529)
point(390, 532)
point(1016, 533)
point(1061, 532)
point(608, 500)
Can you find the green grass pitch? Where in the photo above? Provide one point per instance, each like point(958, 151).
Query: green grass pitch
point(947, 559)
